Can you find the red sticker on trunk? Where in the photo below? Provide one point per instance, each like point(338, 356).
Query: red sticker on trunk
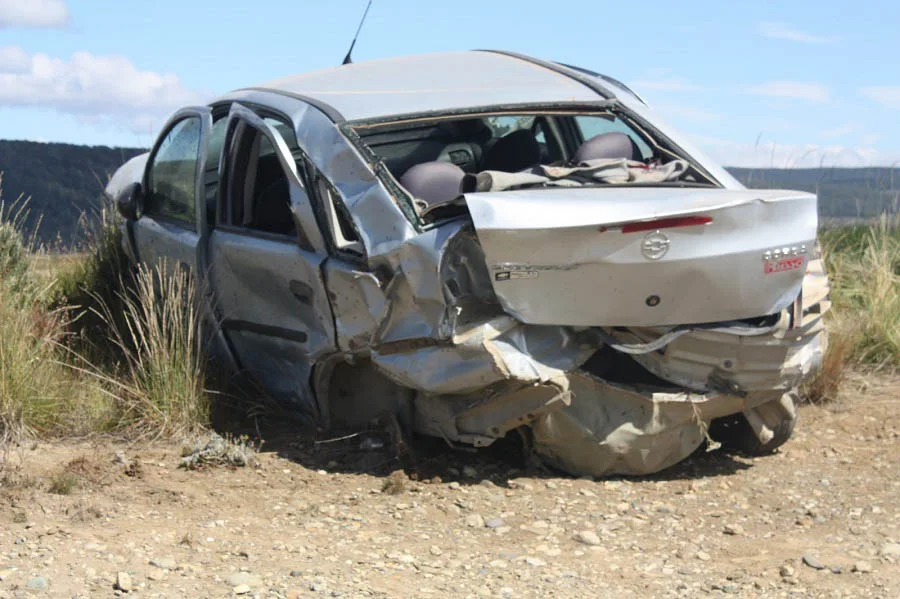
point(784, 264)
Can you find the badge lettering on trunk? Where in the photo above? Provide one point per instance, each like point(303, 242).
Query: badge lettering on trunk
point(784, 264)
point(508, 275)
point(655, 245)
point(784, 259)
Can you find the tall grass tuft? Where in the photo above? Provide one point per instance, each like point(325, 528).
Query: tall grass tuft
point(864, 267)
point(38, 393)
point(161, 338)
point(96, 282)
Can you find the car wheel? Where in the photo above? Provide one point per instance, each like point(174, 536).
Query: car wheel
point(735, 432)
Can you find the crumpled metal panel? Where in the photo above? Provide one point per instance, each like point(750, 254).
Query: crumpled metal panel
point(781, 359)
point(499, 350)
point(609, 429)
point(380, 222)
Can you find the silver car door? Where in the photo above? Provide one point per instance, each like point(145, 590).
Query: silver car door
point(173, 211)
point(265, 256)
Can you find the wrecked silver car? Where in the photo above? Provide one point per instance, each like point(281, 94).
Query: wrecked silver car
point(482, 242)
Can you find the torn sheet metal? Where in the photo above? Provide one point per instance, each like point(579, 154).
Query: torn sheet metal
point(747, 359)
point(609, 429)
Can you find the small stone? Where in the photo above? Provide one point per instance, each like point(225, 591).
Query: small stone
point(535, 562)
point(733, 529)
point(494, 523)
point(241, 589)
point(475, 521)
point(296, 573)
point(862, 567)
point(787, 571)
point(435, 550)
point(165, 563)
point(703, 556)
point(890, 551)
point(469, 472)
point(243, 578)
point(813, 562)
point(588, 537)
point(38, 583)
point(123, 582)
point(454, 485)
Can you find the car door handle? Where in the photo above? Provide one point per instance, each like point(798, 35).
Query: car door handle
point(301, 291)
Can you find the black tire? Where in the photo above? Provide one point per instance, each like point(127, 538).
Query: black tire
point(735, 433)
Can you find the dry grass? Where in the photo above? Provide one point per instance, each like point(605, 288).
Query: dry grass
point(159, 334)
point(90, 348)
point(864, 267)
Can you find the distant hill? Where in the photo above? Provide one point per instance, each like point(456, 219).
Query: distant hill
point(64, 181)
point(843, 192)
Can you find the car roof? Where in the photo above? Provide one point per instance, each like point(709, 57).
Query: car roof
point(437, 82)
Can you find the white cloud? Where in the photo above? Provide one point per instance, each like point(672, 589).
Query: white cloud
point(770, 154)
point(784, 32)
point(14, 60)
point(813, 92)
point(93, 88)
point(33, 13)
point(886, 95)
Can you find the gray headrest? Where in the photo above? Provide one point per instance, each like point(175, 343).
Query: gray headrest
point(434, 182)
point(513, 152)
point(607, 145)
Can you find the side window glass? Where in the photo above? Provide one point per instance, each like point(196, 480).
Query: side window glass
point(504, 125)
point(595, 125)
point(172, 176)
point(216, 143)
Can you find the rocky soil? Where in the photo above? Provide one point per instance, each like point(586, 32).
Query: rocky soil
point(349, 518)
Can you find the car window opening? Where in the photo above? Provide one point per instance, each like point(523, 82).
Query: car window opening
point(435, 161)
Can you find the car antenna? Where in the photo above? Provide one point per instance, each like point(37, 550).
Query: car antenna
point(347, 59)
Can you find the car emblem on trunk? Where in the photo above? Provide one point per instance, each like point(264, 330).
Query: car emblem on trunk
point(655, 245)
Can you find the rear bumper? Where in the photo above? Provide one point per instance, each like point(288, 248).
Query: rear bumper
point(587, 425)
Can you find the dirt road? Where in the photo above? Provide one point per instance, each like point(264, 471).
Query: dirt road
point(821, 518)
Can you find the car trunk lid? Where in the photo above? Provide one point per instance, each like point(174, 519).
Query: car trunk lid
point(644, 256)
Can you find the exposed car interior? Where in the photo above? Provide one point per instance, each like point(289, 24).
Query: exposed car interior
point(431, 159)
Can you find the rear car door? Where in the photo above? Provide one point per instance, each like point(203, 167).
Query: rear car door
point(173, 214)
point(265, 256)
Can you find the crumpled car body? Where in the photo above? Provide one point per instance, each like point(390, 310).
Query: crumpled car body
point(481, 242)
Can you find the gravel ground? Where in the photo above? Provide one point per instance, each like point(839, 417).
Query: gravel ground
point(820, 518)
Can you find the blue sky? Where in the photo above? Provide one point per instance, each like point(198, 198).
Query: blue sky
point(755, 84)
